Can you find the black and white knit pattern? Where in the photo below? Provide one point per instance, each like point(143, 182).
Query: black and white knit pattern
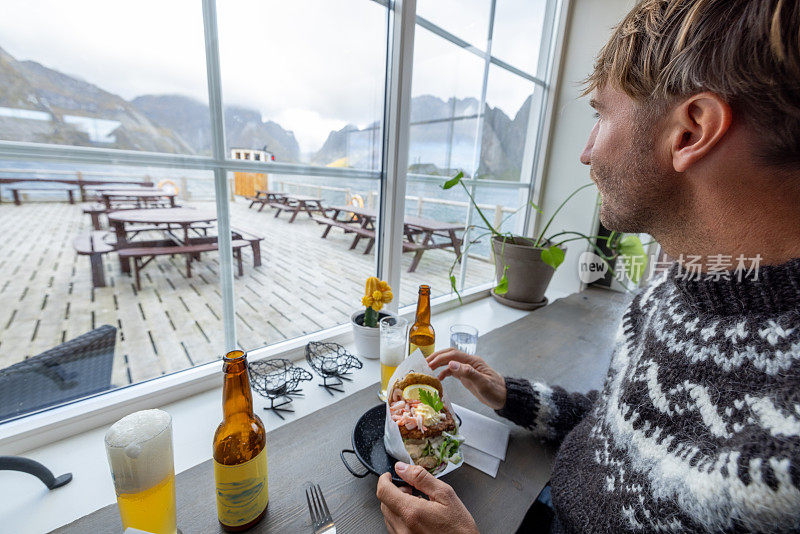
point(697, 428)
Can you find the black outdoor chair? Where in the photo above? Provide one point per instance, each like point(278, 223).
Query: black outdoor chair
point(75, 369)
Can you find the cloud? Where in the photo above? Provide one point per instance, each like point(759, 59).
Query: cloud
point(311, 65)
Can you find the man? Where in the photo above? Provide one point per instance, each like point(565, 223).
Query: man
point(697, 428)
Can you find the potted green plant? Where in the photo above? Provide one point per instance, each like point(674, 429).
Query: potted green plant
point(366, 333)
point(524, 266)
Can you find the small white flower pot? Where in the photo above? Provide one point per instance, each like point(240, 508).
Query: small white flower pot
point(367, 339)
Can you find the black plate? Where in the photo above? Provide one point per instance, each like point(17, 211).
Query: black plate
point(368, 445)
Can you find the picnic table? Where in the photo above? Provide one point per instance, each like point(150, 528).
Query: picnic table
point(140, 197)
point(176, 224)
point(165, 219)
point(420, 233)
point(52, 186)
point(307, 449)
point(96, 190)
point(297, 203)
point(265, 198)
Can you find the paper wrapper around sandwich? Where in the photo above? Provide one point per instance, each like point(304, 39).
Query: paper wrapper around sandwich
point(392, 439)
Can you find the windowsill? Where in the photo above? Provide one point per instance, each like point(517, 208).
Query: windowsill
point(195, 418)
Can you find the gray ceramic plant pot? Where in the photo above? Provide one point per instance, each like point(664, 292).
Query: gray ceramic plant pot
point(528, 275)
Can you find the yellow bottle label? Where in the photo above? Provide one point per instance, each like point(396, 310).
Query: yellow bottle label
point(426, 350)
point(242, 490)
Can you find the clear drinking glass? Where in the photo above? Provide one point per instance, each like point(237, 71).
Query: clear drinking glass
point(394, 335)
point(464, 338)
point(139, 449)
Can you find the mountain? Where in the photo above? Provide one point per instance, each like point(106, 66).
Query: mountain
point(243, 127)
point(439, 145)
point(42, 105)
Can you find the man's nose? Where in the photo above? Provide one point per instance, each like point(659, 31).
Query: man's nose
point(586, 155)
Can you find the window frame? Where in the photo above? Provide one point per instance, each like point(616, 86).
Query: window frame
point(29, 431)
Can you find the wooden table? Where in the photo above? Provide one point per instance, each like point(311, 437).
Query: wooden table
point(265, 197)
point(420, 234)
point(296, 204)
point(352, 219)
point(427, 229)
point(141, 198)
point(167, 218)
point(566, 343)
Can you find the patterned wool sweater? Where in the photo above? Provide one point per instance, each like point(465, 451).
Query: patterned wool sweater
point(697, 428)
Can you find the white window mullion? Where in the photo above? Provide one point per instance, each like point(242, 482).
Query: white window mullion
point(476, 156)
point(549, 62)
point(397, 113)
point(220, 178)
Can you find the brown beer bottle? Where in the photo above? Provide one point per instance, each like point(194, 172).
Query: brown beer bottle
point(421, 335)
point(240, 451)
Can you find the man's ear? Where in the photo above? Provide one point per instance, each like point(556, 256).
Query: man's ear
point(698, 124)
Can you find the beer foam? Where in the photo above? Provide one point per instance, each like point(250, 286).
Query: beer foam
point(139, 448)
point(137, 428)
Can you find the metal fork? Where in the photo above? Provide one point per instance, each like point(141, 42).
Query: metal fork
point(321, 518)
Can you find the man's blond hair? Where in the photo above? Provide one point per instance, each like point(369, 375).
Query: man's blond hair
point(746, 51)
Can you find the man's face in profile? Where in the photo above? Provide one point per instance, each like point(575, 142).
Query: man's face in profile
point(637, 184)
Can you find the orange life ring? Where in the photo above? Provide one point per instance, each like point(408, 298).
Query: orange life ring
point(357, 202)
point(168, 186)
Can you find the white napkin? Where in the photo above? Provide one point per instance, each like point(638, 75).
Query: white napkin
point(485, 440)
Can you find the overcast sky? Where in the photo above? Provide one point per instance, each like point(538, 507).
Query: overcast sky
point(310, 65)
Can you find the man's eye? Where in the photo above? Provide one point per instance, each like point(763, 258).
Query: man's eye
point(596, 115)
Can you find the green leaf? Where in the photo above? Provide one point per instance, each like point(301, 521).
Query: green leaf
point(452, 182)
point(536, 207)
point(631, 248)
point(502, 285)
point(431, 399)
point(553, 256)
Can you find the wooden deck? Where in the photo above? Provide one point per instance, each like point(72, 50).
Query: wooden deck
point(304, 284)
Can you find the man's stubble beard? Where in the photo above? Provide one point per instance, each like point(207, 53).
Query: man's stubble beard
point(637, 195)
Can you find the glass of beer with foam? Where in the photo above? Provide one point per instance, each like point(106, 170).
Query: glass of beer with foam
point(139, 448)
point(393, 335)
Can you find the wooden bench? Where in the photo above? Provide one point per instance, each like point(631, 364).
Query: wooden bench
point(144, 255)
point(349, 227)
point(94, 245)
point(253, 239)
point(17, 201)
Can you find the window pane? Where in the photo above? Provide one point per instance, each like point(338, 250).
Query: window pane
point(517, 32)
point(305, 283)
point(508, 105)
point(306, 89)
point(169, 322)
point(108, 74)
point(466, 19)
point(446, 89)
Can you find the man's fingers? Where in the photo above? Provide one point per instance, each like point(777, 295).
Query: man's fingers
point(392, 520)
point(420, 478)
point(464, 371)
point(438, 359)
point(391, 496)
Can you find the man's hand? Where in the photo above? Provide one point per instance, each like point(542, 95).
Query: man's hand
point(483, 381)
point(405, 513)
